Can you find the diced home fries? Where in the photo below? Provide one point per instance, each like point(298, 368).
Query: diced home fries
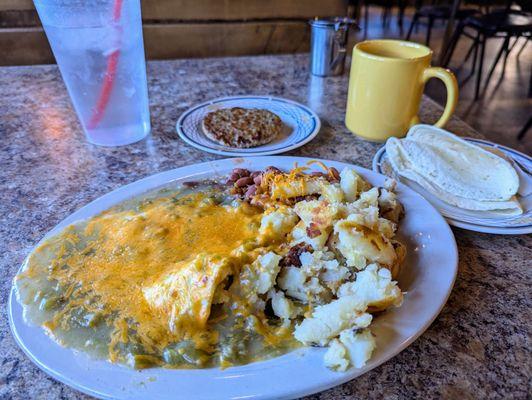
point(339, 261)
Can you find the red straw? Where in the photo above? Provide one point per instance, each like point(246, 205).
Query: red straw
point(109, 77)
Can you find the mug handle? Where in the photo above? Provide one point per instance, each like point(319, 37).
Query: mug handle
point(451, 85)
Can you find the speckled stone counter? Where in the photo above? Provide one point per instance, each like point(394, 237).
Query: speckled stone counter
point(478, 348)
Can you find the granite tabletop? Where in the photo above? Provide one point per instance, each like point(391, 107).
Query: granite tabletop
point(479, 347)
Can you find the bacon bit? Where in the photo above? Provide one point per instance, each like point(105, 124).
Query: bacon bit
point(313, 230)
point(334, 175)
point(292, 257)
point(308, 197)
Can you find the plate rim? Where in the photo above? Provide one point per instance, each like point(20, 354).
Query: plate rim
point(236, 152)
point(289, 393)
point(376, 166)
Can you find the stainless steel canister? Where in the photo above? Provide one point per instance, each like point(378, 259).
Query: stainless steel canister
point(327, 45)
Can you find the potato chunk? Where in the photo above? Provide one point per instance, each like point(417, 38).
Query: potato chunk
point(374, 286)
point(352, 184)
point(360, 244)
point(327, 321)
point(264, 271)
point(353, 348)
point(277, 223)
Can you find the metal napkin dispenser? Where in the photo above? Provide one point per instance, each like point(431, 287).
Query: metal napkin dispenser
point(328, 39)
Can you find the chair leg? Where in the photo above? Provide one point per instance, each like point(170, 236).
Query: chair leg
point(507, 51)
point(366, 19)
point(502, 50)
point(514, 44)
point(475, 57)
point(389, 12)
point(525, 129)
point(429, 31)
point(389, 15)
point(474, 46)
point(401, 14)
point(529, 94)
point(384, 16)
point(449, 51)
point(469, 52)
point(530, 85)
point(476, 43)
point(523, 47)
point(412, 25)
point(482, 44)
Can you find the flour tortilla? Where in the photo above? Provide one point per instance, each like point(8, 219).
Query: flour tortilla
point(459, 167)
point(404, 165)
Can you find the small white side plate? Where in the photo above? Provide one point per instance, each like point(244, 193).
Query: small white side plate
point(472, 220)
point(300, 125)
point(427, 278)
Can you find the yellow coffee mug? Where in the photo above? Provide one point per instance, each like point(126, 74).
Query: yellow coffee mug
point(385, 86)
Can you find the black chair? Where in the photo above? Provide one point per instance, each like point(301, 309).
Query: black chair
point(528, 124)
point(387, 7)
point(436, 12)
point(506, 24)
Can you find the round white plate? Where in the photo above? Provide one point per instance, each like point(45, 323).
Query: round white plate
point(472, 220)
point(300, 125)
point(427, 278)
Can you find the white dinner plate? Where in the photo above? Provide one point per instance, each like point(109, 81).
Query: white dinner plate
point(427, 278)
point(300, 125)
point(477, 221)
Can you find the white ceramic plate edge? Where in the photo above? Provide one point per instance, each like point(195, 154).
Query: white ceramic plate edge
point(121, 193)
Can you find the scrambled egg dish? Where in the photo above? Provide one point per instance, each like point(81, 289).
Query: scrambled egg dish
point(223, 273)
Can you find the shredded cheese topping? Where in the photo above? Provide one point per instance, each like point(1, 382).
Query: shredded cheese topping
point(153, 272)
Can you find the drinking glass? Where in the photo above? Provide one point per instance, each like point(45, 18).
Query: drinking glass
point(99, 49)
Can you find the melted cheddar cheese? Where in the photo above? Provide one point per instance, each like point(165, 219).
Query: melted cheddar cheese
point(152, 272)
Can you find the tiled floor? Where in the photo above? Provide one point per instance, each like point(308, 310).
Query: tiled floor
point(503, 109)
